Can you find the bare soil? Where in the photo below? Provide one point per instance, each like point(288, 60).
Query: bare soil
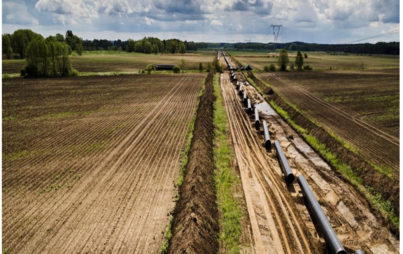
point(195, 227)
point(370, 176)
point(279, 218)
point(88, 163)
point(375, 144)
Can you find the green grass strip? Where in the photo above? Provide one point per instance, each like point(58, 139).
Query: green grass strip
point(225, 179)
point(183, 162)
point(384, 206)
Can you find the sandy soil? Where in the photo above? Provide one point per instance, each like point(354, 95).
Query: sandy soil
point(114, 199)
point(279, 218)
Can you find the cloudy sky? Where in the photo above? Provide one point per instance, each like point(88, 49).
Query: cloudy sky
point(319, 21)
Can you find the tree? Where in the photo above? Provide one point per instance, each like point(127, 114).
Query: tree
point(79, 47)
point(7, 49)
point(130, 46)
point(182, 48)
point(138, 47)
point(37, 58)
point(20, 40)
point(183, 63)
point(59, 37)
point(299, 61)
point(200, 67)
point(155, 49)
point(176, 69)
point(283, 60)
point(149, 68)
point(147, 47)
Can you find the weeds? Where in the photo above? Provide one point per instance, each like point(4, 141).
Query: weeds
point(225, 179)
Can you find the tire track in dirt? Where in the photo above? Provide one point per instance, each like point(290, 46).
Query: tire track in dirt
point(349, 214)
point(285, 233)
point(368, 142)
point(188, 99)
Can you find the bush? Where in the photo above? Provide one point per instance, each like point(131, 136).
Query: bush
point(266, 68)
point(292, 66)
point(306, 55)
point(74, 72)
point(308, 68)
point(149, 68)
point(23, 72)
point(208, 67)
point(176, 69)
point(272, 67)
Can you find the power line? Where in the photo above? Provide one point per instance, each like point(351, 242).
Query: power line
point(376, 36)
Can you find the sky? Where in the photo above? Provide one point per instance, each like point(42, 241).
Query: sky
point(312, 21)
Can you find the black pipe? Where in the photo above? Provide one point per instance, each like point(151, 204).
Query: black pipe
point(257, 122)
point(289, 176)
point(267, 142)
point(240, 89)
point(249, 110)
point(330, 236)
point(245, 98)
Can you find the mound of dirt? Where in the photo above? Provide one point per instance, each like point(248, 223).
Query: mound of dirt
point(195, 226)
point(370, 176)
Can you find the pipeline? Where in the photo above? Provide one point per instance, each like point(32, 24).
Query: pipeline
point(249, 110)
point(289, 176)
point(257, 122)
point(245, 98)
point(240, 90)
point(267, 142)
point(359, 252)
point(330, 236)
point(237, 85)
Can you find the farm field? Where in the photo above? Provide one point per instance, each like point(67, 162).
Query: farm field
point(279, 220)
point(362, 108)
point(89, 162)
point(105, 61)
point(320, 61)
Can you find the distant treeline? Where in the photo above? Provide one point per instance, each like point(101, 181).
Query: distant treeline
point(390, 48)
point(146, 45)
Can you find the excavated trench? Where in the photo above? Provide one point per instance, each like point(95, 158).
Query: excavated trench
point(195, 225)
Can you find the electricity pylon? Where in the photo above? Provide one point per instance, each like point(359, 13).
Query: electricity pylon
point(277, 29)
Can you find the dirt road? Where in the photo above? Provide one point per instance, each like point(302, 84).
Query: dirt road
point(107, 200)
point(279, 219)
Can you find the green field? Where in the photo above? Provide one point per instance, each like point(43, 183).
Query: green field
point(320, 61)
point(120, 61)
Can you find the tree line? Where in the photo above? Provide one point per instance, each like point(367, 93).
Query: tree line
point(147, 45)
point(385, 48)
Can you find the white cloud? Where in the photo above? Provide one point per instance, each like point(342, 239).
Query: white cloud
point(17, 13)
point(215, 22)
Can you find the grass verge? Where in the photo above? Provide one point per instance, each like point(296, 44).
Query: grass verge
point(183, 163)
point(384, 206)
point(225, 179)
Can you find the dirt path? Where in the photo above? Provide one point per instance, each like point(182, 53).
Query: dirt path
point(279, 219)
point(377, 146)
point(120, 199)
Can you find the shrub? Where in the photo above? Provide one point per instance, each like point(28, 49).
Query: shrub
point(149, 68)
point(283, 60)
point(306, 55)
point(308, 68)
point(272, 67)
point(200, 67)
point(292, 66)
point(23, 72)
point(208, 67)
point(266, 68)
point(176, 69)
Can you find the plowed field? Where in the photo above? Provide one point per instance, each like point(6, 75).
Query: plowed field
point(359, 94)
point(89, 163)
